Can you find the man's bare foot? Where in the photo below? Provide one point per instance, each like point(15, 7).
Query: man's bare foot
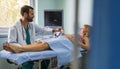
point(7, 48)
point(12, 48)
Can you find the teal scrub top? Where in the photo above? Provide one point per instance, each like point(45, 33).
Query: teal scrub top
point(27, 36)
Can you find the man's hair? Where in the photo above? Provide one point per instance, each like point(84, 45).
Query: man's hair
point(24, 9)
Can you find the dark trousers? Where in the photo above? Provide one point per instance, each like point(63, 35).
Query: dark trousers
point(84, 60)
point(28, 65)
point(45, 64)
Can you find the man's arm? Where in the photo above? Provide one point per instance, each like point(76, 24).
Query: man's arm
point(13, 35)
point(46, 31)
point(42, 30)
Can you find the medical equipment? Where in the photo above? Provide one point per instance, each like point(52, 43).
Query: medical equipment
point(57, 34)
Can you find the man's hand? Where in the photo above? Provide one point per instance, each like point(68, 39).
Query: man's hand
point(60, 29)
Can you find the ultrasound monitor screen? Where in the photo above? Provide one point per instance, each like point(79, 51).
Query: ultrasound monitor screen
point(53, 18)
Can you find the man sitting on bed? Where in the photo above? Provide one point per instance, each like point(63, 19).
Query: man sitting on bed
point(40, 46)
point(24, 30)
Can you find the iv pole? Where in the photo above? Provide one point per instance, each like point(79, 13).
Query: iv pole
point(75, 62)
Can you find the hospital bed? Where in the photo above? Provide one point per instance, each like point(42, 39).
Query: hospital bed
point(20, 58)
point(61, 51)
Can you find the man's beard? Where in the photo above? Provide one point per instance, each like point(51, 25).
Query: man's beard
point(30, 19)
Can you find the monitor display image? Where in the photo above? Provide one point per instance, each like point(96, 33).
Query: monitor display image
point(53, 17)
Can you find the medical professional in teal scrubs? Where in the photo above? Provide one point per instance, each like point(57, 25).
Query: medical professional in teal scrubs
point(24, 31)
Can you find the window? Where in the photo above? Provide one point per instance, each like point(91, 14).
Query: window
point(10, 11)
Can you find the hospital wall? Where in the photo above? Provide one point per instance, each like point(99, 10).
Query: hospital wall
point(84, 17)
point(68, 12)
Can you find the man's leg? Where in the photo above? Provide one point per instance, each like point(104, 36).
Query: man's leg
point(35, 47)
point(45, 64)
point(28, 48)
point(28, 65)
